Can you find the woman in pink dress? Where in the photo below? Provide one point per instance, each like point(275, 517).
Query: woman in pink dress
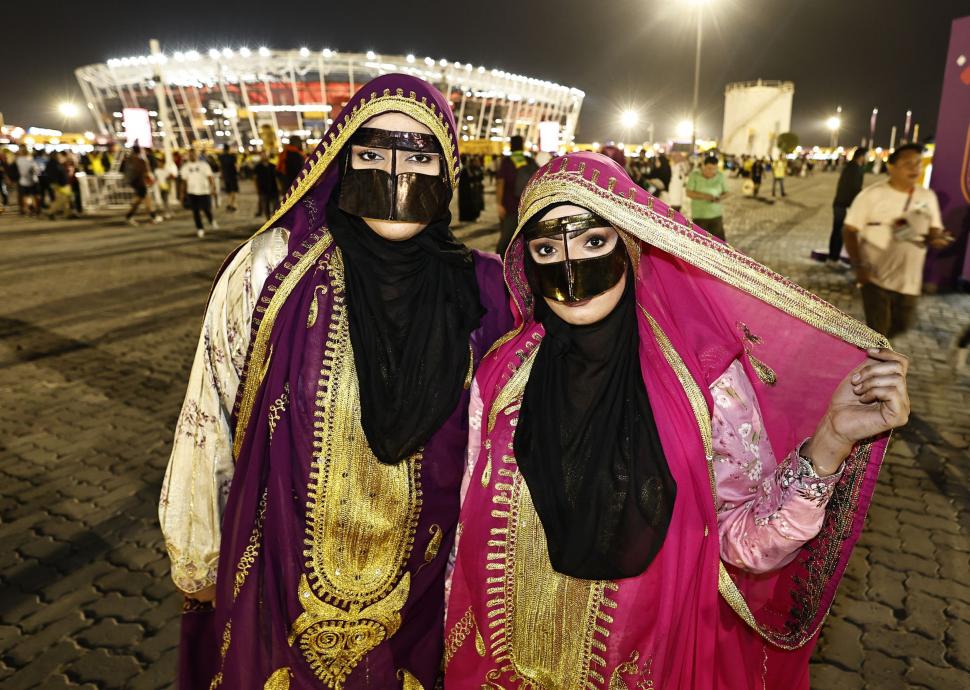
point(671, 456)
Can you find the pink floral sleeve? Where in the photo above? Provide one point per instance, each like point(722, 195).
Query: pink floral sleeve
point(766, 510)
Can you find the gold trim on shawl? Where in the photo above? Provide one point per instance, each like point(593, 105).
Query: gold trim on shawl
point(258, 359)
point(681, 241)
point(422, 111)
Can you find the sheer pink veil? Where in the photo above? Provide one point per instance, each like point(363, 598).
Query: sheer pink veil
point(701, 306)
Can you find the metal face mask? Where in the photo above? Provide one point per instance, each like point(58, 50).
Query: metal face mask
point(410, 196)
point(575, 280)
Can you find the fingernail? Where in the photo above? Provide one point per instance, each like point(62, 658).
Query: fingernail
point(856, 378)
point(874, 350)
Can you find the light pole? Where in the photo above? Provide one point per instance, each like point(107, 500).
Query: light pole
point(872, 128)
point(699, 5)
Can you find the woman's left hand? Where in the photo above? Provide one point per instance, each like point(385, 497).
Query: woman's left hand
point(871, 400)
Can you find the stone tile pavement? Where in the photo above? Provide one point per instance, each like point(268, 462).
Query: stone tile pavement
point(97, 328)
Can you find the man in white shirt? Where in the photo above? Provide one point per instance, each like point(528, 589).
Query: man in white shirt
point(27, 191)
point(887, 229)
point(198, 186)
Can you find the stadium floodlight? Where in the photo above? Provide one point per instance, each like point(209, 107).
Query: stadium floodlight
point(327, 53)
point(68, 109)
point(629, 118)
point(214, 54)
point(264, 51)
point(410, 57)
point(244, 51)
point(304, 51)
point(371, 55)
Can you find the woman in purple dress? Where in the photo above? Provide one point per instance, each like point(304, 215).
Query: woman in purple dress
point(312, 492)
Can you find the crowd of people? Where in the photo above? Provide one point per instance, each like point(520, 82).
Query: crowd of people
point(47, 183)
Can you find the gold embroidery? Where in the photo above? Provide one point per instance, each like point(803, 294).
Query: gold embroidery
point(361, 520)
point(434, 543)
point(251, 552)
point(408, 681)
point(550, 619)
point(513, 389)
point(278, 680)
point(471, 368)
point(487, 472)
point(277, 409)
point(479, 643)
point(642, 674)
point(765, 373)
point(258, 360)
point(458, 634)
point(311, 317)
point(334, 640)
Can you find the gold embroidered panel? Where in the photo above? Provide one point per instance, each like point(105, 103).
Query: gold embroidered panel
point(361, 519)
point(551, 618)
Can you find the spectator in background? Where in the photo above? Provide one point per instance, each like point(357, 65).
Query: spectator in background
point(60, 185)
point(757, 174)
point(198, 186)
point(290, 163)
point(4, 177)
point(27, 183)
point(514, 173)
point(849, 186)
point(471, 189)
point(269, 193)
point(706, 187)
point(887, 229)
point(166, 184)
point(138, 176)
point(679, 170)
point(230, 175)
point(778, 171)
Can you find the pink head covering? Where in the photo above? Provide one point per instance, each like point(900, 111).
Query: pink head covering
point(701, 305)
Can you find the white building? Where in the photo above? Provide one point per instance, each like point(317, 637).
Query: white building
point(755, 113)
point(241, 96)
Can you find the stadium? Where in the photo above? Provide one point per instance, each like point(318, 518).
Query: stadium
point(259, 97)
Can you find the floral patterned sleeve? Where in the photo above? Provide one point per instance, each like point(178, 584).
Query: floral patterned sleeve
point(200, 468)
point(766, 509)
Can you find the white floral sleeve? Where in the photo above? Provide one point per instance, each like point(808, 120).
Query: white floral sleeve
point(766, 510)
point(200, 468)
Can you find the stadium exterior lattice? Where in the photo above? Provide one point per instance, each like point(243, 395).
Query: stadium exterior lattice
point(242, 96)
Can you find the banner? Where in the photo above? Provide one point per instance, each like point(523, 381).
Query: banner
point(951, 164)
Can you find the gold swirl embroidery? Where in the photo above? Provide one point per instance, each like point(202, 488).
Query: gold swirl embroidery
point(471, 368)
point(361, 520)
point(458, 634)
point(765, 373)
point(434, 543)
point(334, 640)
point(513, 389)
point(278, 680)
point(311, 317)
point(642, 674)
point(223, 650)
point(251, 552)
point(277, 409)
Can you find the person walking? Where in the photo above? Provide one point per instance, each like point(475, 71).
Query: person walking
point(778, 171)
point(198, 186)
point(757, 173)
point(57, 177)
point(290, 164)
point(514, 173)
point(887, 229)
point(269, 193)
point(848, 187)
point(230, 175)
point(27, 183)
point(706, 187)
point(139, 178)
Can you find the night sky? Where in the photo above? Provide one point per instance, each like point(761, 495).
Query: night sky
point(858, 54)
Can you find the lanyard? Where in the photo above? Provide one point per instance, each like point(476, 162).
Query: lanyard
point(909, 198)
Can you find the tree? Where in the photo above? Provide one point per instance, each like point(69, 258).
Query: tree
point(786, 142)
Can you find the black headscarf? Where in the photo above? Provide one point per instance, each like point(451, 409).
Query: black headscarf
point(412, 305)
point(588, 447)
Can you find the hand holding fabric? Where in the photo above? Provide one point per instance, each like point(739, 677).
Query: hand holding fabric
point(870, 400)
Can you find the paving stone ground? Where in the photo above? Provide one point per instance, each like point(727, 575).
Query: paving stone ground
point(97, 328)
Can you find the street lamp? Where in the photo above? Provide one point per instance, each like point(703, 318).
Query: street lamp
point(699, 4)
point(833, 123)
point(68, 109)
point(629, 119)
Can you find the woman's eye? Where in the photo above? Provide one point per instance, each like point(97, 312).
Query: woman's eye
point(545, 250)
point(420, 158)
point(370, 156)
point(595, 242)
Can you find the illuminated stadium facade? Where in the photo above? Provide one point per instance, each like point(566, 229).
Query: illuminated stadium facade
point(242, 96)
